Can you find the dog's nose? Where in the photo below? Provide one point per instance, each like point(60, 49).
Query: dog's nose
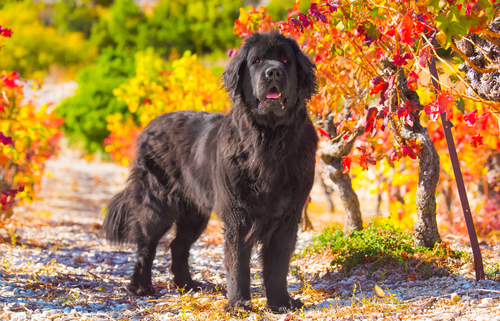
point(273, 73)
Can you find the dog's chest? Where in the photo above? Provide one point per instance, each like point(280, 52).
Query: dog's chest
point(272, 188)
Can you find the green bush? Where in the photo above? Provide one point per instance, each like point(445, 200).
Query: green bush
point(85, 113)
point(201, 26)
point(376, 244)
point(123, 28)
point(75, 16)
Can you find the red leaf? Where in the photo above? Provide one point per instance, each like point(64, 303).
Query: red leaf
point(5, 140)
point(412, 80)
point(378, 87)
point(411, 106)
point(386, 90)
point(444, 104)
point(297, 24)
point(470, 118)
point(346, 162)
point(406, 29)
point(371, 113)
point(401, 60)
point(5, 32)
point(304, 20)
point(365, 159)
point(10, 79)
point(313, 10)
point(424, 54)
point(476, 140)
point(393, 155)
point(322, 132)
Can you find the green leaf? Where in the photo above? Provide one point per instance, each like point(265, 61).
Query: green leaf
point(453, 15)
point(434, 4)
point(454, 78)
point(458, 29)
point(457, 60)
point(460, 104)
point(374, 13)
point(442, 22)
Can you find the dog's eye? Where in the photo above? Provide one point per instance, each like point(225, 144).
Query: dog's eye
point(285, 61)
point(256, 61)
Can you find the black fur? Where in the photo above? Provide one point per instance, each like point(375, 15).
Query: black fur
point(254, 168)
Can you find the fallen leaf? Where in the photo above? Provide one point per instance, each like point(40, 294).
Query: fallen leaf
point(379, 291)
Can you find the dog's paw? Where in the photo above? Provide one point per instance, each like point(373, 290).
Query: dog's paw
point(243, 305)
point(290, 305)
point(141, 290)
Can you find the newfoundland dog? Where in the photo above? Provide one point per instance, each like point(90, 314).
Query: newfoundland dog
point(254, 168)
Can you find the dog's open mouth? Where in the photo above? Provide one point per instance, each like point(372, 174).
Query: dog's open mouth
point(273, 97)
point(273, 93)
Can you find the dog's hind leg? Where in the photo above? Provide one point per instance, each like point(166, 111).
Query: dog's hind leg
point(154, 222)
point(190, 225)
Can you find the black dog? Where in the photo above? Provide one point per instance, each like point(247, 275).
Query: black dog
point(254, 168)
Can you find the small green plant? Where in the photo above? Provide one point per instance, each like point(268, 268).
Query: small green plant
point(492, 269)
point(378, 244)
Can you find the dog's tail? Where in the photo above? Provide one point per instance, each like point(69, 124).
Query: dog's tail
point(117, 223)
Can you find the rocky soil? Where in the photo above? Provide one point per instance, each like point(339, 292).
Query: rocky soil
point(55, 265)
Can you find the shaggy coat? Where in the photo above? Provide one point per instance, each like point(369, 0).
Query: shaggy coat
point(254, 168)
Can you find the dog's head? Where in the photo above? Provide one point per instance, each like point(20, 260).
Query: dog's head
point(271, 75)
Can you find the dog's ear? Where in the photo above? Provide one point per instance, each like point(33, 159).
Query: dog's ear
point(232, 76)
point(306, 73)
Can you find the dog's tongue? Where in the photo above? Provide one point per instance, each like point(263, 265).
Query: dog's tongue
point(273, 95)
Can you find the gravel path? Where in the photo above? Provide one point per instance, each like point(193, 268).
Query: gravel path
point(60, 268)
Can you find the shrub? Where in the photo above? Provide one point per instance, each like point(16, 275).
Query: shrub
point(28, 137)
point(200, 26)
point(123, 27)
point(85, 113)
point(185, 84)
point(35, 46)
point(379, 243)
point(75, 16)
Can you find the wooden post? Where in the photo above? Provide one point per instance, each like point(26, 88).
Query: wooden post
point(447, 125)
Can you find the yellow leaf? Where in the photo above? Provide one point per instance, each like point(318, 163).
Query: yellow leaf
point(133, 106)
point(379, 291)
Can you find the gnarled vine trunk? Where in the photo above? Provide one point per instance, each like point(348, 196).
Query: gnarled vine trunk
point(331, 161)
point(482, 54)
point(425, 230)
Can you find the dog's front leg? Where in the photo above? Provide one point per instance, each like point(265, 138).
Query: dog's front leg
point(276, 255)
point(237, 254)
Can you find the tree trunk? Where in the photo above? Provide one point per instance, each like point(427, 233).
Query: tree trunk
point(331, 161)
point(474, 47)
point(425, 230)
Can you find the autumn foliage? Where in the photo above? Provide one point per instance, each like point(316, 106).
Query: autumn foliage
point(184, 85)
point(28, 137)
point(363, 51)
